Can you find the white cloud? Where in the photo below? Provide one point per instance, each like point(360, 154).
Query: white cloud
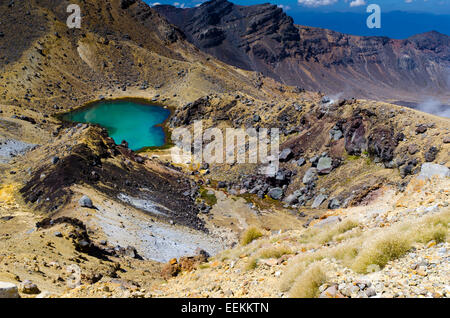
point(284, 7)
point(316, 3)
point(357, 3)
point(179, 5)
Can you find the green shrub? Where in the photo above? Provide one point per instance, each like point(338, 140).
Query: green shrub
point(209, 199)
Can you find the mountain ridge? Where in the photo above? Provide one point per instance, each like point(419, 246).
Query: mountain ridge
point(263, 38)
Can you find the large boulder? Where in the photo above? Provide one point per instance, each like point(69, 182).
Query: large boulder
point(275, 193)
point(285, 154)
point(429, 170)
point(328, 221)
point(318, 201)
point(8, 290)
point(310, 176)
point(430, 155)
point(382, 144)
point(85, 202)
point(28, 287)
point(325, 165)
point(336, 133)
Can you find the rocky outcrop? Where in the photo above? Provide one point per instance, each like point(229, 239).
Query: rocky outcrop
point(90, 162)
point(382, 143)
point(184, 264)
point(355, 140)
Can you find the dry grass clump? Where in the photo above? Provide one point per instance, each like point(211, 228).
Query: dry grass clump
point(275, 251)
point(322, 235)
point(252, 263)
point(307, 284)
point(437, 233)
point(267, 252)
point(433, 228)
point(250, 235)
point(379, 251)
point(297, 266)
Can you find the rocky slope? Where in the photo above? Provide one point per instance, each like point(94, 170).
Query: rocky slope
point(263, 38)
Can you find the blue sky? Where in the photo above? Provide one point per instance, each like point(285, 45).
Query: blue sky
point(430, 6)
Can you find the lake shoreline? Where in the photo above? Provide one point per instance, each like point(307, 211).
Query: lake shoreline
point(135, 100)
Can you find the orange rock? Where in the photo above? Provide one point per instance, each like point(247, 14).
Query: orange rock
point(215, 264)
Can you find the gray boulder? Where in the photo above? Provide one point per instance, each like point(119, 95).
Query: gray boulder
point(301, 162)
point(429, 170)
point(329, 220)
point(318, 201)
point(85, 202)
point(275, 193)
point(336, 133)
point(310, 176)
point(325, 165)
point(285, 154)
point(8, 290)
point(334, 204)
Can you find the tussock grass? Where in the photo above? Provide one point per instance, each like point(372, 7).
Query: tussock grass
point(433, 228)
point(307, 284)
point(275, 251)
point(363, 251)
point(252, 263)
point(296, 268)
point(250, 235)
point(345, 252)
point(437, 233)
point(387, 247)
point(316, 235)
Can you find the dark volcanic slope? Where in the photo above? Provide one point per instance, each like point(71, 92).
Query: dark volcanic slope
point(263, 38)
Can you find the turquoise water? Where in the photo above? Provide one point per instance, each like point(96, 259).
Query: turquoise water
point(126, 120)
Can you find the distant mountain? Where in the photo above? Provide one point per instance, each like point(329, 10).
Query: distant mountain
point(263, 38)
point(394, 24)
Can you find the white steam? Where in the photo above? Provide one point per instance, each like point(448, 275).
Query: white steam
point(434, 106)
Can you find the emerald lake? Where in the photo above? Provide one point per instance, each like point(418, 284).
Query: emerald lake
point(137, 123)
